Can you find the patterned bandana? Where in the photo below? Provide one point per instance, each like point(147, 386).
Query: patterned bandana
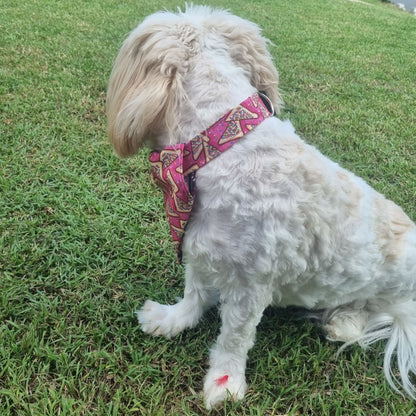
point(173, 168)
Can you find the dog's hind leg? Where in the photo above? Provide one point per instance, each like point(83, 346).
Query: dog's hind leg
point(170, 320)
point(241, 311)
point(393, 320)
point(346, 323)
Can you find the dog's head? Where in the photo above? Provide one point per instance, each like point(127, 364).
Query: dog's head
point(148, 84)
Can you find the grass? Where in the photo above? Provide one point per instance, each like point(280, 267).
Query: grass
point(83, 240)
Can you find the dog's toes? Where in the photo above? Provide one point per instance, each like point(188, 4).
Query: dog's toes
point(219, 386)
point(151, 318)
point(161, 320)
point(346, 326)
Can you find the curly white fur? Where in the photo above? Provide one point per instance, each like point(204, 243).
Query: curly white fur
point(275, 222)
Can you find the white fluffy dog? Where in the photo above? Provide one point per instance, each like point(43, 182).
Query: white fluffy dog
point(274, 222)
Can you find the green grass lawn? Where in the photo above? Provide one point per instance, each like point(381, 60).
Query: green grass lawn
point(83, 239)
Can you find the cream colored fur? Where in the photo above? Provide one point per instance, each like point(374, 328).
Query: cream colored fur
point(275, 222)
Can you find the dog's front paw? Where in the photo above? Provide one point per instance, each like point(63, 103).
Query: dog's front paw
point(220, 385)
point(157, 319)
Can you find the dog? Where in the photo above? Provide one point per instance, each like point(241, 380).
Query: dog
point(273, 221)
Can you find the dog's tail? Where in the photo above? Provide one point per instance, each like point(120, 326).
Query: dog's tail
point(397, 324)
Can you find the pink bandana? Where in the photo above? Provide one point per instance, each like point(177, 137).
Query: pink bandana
point(173, 167)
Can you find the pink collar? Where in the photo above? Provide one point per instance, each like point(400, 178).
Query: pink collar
point(173, 168)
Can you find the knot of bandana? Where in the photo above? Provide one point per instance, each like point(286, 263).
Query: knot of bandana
point(173, 168)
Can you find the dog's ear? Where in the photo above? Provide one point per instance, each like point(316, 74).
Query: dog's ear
point(248, 48)
point(145, 86)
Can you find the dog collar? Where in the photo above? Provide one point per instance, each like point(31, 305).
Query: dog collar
point(173, 169)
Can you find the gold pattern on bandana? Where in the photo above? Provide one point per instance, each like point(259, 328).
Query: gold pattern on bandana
point(172, 166)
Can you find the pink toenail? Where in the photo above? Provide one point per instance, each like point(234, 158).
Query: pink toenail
point(222, 380)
